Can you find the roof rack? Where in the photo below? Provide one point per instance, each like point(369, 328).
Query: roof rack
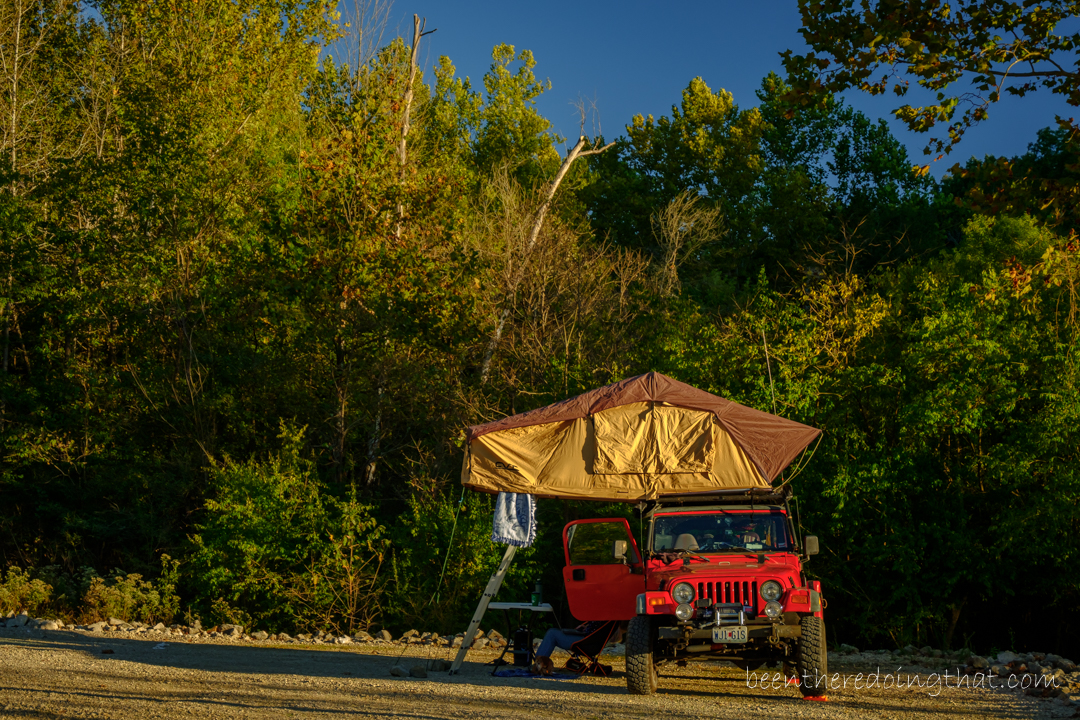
point(742, 496)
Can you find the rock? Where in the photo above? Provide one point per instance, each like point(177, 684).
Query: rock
point(20, 620)
point(408, 636)
point(196, 625)
point(361, 636)
point(418, 671)
point(115, 622)
point(1000, 670)
point(437, 665)
point(910, 650)
point(456, 642)
point(495, 635)
point(1055, 675)
point(259, 635)
point(925, 650)
point(1034, 668)
point(1038, 657)
point(284, 637)
point(304, 636)
point(1007, 657)
point(479, 633)
point(977, 662)
point(50, 625)
point(1067, 665)
point(343, 640)
point(384, 636)
point(159, 627)
point(937, 653)
point(399, 671)
point(97, 627)
point(1051, 658)
point(231, 630)
point(845, 649)
point(479, 643)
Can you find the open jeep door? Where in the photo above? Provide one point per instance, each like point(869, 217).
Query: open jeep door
point(604, 572)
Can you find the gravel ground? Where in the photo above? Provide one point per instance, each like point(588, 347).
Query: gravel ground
point(58, 674)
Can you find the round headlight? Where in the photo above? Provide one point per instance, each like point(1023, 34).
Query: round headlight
point(684, 593)
point(773, 609)
point(771, 590)
point(684, 612)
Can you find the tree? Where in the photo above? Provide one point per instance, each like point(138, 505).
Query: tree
point(1001, 47)
point(500, 126)
point(1043, 182)
point(707, 147)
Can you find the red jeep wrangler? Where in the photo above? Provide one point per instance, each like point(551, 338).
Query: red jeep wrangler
point(721, 578)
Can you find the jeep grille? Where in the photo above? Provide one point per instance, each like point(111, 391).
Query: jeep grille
point(742, 592)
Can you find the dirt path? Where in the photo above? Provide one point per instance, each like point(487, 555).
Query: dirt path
point(56, 674)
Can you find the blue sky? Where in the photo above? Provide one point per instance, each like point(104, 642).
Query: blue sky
point(634, 57)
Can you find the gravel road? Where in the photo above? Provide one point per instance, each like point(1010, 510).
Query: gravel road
point(58, 674)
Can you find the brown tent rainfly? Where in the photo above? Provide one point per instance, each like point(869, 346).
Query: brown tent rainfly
point(639, 438)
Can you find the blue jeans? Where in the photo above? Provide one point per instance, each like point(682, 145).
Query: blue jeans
point(554, 638)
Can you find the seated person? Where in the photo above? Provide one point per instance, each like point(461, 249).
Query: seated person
point(555, 637)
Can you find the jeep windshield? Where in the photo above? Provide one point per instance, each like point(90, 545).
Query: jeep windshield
point(720, 531)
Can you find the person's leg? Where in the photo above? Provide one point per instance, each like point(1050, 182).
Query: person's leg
point(554, 638)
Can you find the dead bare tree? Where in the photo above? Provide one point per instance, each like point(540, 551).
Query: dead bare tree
point(418, 32)
point(581, 149)
point(365, 27)
point(682, 228)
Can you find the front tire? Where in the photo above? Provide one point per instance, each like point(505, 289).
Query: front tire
point(812, 661)
point(641, 677)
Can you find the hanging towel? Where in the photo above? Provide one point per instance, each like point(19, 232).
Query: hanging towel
point(515, 519)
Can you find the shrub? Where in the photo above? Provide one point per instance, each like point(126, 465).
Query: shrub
point(274, 549)
point(129, 597)
point(21, 593)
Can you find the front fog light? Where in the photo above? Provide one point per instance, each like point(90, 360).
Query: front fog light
point(684, 612)
point(773, 609)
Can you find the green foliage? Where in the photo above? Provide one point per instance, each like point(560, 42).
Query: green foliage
point(131, 598)
point(19, 592)
point(1044, 182)
point(866, 45)
point(275, 550)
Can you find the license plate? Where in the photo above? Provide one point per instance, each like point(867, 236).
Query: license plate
point(729, 634)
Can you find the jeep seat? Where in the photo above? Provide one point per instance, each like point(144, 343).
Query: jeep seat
point(686, 541)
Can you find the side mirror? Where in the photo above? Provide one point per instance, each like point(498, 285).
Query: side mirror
point(618, 550)
point(810, 543)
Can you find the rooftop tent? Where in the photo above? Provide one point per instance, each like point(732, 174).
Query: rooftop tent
point(639, 438)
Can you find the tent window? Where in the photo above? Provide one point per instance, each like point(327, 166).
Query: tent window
point(653, 438)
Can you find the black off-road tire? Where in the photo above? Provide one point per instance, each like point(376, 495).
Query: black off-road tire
point(641, 677)
point(812, 661)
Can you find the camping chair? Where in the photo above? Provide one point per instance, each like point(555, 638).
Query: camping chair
point(585, 653)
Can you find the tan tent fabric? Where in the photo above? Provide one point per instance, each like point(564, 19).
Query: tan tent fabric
point(641, 437)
